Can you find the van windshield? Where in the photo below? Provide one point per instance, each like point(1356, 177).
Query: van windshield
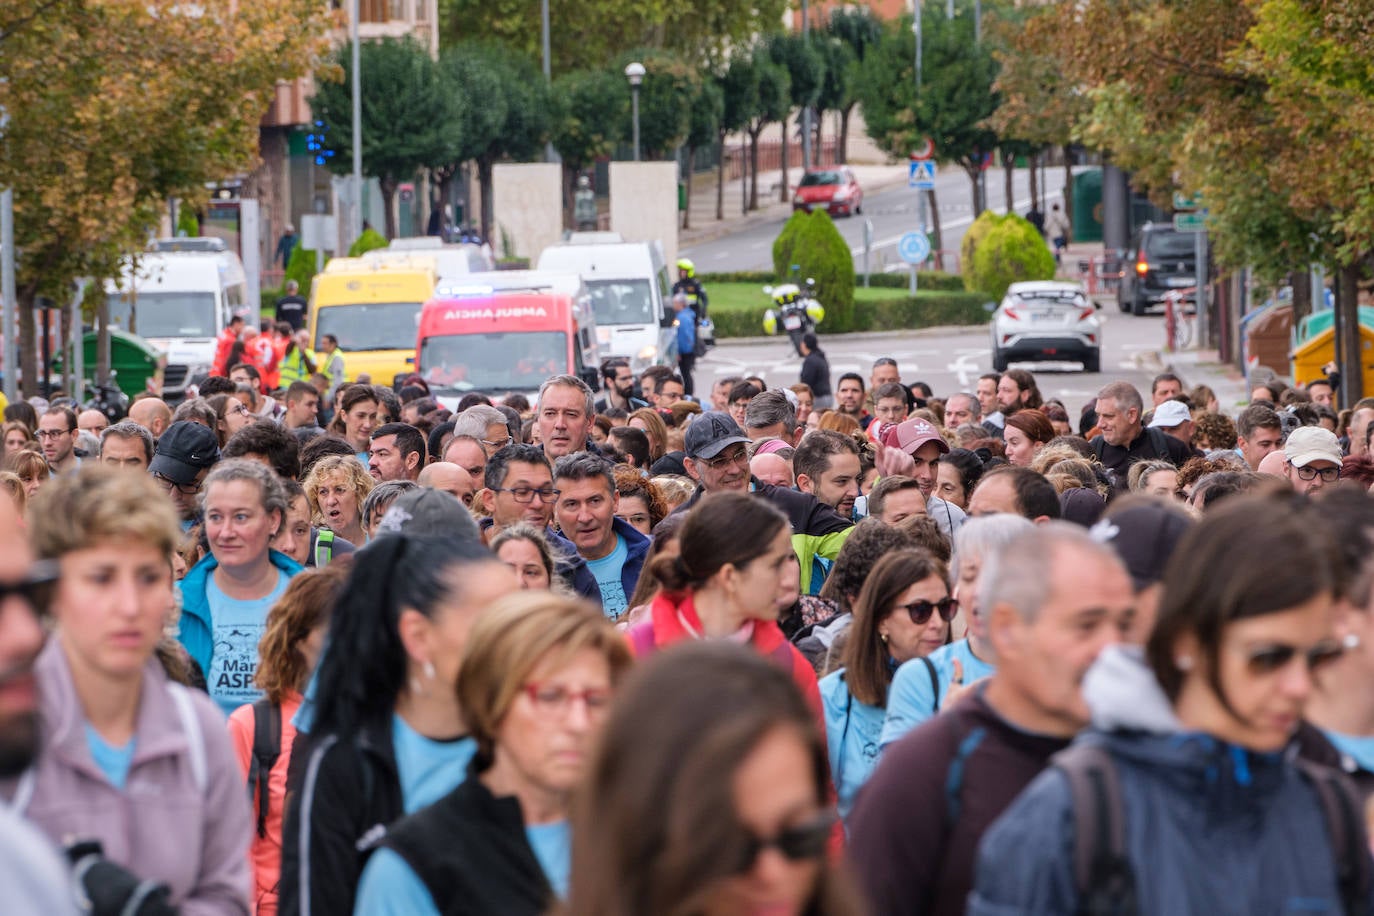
point(518, 361)
point(164, 314)
point(622, 301)
point(370, 326)
point(1170, 244)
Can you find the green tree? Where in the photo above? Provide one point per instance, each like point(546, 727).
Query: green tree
point(665, 100)
point(811, 243)
point(1010, 251)
point(860, 30)
point(739, 86)
point(707, 111)
point(837, 87)
point(410, 117)
point(772, 105)
point(589, 111)
point(955, 100)
point(805, 74)
point(481, 111)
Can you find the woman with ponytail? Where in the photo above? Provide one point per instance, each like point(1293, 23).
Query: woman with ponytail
point(718, 587)
point(387, 736)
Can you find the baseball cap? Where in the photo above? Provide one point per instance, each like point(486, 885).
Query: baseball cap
point(429, 512)
point(183, 451)
point(1144, 536)
point(1171, 414)
point(910, 435)
point(1307, 444)
point(710, 434)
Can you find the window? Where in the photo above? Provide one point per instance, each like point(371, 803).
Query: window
point(517, 361)
point(370, 326)
point(165, 314)
point(622, 301)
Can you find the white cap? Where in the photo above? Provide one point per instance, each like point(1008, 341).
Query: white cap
point(1307, 444)
point(1171, 414)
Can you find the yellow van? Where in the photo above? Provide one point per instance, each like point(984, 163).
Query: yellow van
point(374, 311)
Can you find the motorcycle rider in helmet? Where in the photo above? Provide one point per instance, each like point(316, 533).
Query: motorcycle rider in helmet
point(688, 284)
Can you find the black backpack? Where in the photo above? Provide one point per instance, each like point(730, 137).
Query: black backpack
point(266, 750)
point(1101, 864)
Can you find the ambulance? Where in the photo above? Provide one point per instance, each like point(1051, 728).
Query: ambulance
point(373, 310)
point(503, 341)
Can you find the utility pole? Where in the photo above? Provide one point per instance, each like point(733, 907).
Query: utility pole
point(356, 217)
point(9, 323)
point(806, 109)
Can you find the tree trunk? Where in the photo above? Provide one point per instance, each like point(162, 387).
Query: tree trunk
point(1031, 161)
point(484, 165)
point(842, 151)
point(1301, 283)
point(1068, 190)
point(782, 190)
point(1008, 176)
point(102, 346)
point(754, 167)
point(687, 210)
point(817, 159)
point(28, 350)
point(388, 188)
point(1349, 353)
point(933, 206)
point(720, 178)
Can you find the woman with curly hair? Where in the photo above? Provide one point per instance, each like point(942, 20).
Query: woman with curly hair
point(642, 503)
point(337, 488)
point(1213, 430)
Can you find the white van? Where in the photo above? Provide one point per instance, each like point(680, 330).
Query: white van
point(630, 291)
point(451, 261)
point(178, 296)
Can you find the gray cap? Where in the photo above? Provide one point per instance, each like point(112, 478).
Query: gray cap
point(429, 512)
point(712, 433)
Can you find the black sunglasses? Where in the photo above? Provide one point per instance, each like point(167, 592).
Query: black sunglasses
point(804, 841)
point(920, 611)
point(1273, 658)
point(35, 588)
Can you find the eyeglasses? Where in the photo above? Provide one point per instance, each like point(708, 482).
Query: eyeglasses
point(804, 841)
point(240, 409)
point(35, 587)
point(719, 463)
point(185, 489)
point(551, 699)
point(1328, 475)
point(496, 444)
point(524, 495)
point(54, 433)
point(1269, 659)
point(920, 611)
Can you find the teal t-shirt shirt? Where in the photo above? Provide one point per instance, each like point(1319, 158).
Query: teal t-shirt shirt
point(113, 761)
point(428, 769)
point(238, 627)
point(1359, 748)
point(552, 845)
point(910, 700)
point(614, 601)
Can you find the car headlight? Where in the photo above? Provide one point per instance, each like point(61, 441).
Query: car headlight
point(647, 354)
point(798, 202)
point(841, 194)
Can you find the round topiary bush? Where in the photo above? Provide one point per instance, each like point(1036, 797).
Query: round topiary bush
point(1010, 252)
point(300, 267)
point(370, 240)
point(811, 242)
point(975, 234)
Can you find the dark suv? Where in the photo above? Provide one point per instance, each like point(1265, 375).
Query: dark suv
point(1159, 261)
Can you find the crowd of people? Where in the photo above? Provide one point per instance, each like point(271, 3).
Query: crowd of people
point(305, 646)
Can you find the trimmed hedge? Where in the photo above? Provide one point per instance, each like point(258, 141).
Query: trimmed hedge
point(1009, 251)
point(927, 280)
point(811, 241)
point(933, 308)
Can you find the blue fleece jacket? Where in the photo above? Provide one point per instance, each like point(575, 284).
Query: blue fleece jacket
point(197, 630)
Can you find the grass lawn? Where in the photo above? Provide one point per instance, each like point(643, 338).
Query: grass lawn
point(751, 295)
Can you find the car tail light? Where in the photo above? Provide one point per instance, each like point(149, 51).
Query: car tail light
point(1010, 313)
point(1092, 338)
point(1141, 267)
point(1006, 338)
point(1086, 313)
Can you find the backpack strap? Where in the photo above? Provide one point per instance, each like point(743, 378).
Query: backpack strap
point(1102, 871)
point(1341, 812)
point(934, 683)
point(195, 738)
point(266, 750)
point(966, 742)
point(324, 547)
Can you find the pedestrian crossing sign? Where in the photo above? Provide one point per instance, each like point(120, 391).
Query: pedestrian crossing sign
point(921, 174)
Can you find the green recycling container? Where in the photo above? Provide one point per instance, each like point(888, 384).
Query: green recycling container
point(132, 358)
point(1087, 206)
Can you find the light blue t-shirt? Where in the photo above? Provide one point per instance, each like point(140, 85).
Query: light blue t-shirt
point(238, 627)
point(910, 701)
point(1359, 748)
point(113, 761)
point(852, 733)
point(552, 845)
point(614, 601)
point(428, 769)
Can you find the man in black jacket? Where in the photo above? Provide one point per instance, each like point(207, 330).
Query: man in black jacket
point(815, 372)
point(1123, 440)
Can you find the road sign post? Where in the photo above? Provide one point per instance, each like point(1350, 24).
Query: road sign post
point(1190, 222)
point(868, 246)
point(914, 248)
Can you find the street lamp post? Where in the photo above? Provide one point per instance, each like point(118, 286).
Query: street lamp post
point(635, 74)
point(356, 220)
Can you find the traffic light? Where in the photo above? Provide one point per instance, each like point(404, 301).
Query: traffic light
point(317, 143)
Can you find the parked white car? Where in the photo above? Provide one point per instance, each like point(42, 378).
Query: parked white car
point(1046, 320)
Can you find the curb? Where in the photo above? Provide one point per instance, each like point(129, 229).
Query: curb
point(939, 330)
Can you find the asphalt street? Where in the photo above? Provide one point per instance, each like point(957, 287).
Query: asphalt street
point(892, 212)
point(951, 360)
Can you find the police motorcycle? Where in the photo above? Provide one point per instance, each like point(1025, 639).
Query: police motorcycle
point(796, 309)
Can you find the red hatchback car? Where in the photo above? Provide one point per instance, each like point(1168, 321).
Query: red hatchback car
point(835, 189)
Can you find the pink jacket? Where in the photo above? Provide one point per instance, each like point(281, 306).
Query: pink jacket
point(182, 817)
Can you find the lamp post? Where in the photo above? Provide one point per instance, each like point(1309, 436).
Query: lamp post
point(356, 217)
point(635, 74)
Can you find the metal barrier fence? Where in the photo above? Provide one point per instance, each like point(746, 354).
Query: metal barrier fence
point(1101, 274)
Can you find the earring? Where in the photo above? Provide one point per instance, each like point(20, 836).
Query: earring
point(883, 637)
point(429, 670)
point(1351, 641)
point(1184, 663)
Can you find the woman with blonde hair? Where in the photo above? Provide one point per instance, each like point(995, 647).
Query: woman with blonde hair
point(16, 436)
point(648, 419)
point(30, 467)
point(336, 489)
point(130, 759)
point(14, 487)
point(535, 690)
point(526, 550)
point(841, 423)
point(287, 653)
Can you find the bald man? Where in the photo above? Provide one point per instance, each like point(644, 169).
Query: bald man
point(92, 421)
point(152, 414)
point(1273, 464)
point(450, 478)
point(771, 468)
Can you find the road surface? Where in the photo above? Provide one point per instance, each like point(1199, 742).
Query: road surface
point(892, 213)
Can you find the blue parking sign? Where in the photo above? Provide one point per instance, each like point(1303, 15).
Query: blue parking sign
point(914, 247)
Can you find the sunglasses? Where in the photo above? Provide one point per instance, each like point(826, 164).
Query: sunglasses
point(34, 588)
point(1269, 659)
point(804, 841)
point(920, 611)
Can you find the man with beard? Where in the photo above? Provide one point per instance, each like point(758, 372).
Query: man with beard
point(619, 384)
